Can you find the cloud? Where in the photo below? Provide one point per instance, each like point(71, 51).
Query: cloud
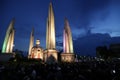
point(83, 13)
point(110, 25)
point(98, 16)
point(88, 8)
point(78, 32)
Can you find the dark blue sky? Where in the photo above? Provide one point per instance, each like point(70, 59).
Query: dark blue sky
point(92, 22)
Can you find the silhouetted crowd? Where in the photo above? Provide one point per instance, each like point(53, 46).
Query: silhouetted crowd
point(97, 70)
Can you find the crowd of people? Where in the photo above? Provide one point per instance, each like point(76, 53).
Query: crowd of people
point(97, 70)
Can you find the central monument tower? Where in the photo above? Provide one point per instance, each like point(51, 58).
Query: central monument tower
point(50, 33)
point(50, 52)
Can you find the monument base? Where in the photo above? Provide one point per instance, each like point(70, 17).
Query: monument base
point(50, 56)
point(67, 57)
point(6, 56)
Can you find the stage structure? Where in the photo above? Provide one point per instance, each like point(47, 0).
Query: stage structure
point(67, 55)
point(50, 51)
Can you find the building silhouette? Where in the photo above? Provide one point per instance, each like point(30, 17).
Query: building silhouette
point(112, 52)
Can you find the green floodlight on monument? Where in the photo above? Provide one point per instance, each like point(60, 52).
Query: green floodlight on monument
point(9, 38)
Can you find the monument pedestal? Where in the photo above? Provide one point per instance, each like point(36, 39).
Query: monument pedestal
point(67, 57)
point(50, 56)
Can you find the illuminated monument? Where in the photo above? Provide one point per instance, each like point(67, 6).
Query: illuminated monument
point(50, 52)
point(9, 39)
point(31, 42)
point(37, 51)
point(67, 55)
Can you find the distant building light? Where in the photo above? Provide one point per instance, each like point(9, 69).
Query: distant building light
point(114, 71)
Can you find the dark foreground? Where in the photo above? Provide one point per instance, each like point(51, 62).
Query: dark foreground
point(62, 71)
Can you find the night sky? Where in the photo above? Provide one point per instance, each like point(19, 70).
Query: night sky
point(93, 22)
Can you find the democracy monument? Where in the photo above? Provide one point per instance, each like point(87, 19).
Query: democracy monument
point(50, 54)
